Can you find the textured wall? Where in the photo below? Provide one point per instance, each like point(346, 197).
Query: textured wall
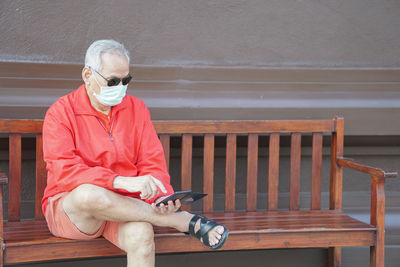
point(311, 33)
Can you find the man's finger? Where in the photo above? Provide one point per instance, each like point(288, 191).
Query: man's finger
point(146, 192)
point(154, 189)
point(162, 208)
point(178, 204)
point(171, 206)
point(160, 185)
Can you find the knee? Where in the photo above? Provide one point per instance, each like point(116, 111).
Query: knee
point(91, 197)
point(137, 237)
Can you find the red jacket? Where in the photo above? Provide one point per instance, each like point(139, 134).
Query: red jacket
point(78, 150)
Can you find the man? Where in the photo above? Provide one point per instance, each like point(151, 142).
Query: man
point(106, 166)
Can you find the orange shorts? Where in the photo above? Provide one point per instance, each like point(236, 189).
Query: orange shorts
point(60, 225)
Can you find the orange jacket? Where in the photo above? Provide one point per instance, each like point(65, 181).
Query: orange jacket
point(78, 149)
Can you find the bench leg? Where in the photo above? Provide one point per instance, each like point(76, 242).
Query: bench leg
point(377, 256)
point(1, 254)
point(335, 256)
point(377, 252)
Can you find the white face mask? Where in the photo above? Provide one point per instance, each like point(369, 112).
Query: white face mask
point(111, 95)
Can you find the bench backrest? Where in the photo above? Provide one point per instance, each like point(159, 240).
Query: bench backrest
point(208, 130)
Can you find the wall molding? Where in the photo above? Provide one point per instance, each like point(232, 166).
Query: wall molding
point(368, 98)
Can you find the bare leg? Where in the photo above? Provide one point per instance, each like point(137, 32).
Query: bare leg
point(88, 206)
point(137, 239)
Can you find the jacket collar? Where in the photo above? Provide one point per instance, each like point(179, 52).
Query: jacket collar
point(82, 105)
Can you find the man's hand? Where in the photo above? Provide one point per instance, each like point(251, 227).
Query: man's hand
point(170, 208)
point(146, 185)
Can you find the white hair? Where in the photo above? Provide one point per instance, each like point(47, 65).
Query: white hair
point(96, 50)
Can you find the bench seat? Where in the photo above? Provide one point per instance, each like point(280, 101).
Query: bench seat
point(27, 241)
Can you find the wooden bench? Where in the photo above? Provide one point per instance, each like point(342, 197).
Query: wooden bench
point(30, 241)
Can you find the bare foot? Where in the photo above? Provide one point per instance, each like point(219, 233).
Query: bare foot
point(214, 235)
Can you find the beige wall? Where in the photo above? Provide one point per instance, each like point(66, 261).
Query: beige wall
point(275, 33)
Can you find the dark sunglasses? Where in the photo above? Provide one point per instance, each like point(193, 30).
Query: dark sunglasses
point(115, 81)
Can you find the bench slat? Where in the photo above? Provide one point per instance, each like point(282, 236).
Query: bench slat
point(41, 174)
point(208, 172)
point(35, 235)
point(230, 173)
point(15, 177)
point(252, 171)
point(236, 127)
point(336, 182)
point(2, 175)
point(273, 172)
point(165, 142)
point(176, 243)
point(21, 126)
point(316, 171)
point(295, 158)
point(186, 168)
point(36, 232)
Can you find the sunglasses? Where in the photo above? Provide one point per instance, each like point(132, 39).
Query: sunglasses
point(115, 81)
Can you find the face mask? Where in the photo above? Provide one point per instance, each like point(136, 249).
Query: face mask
point(111, 95)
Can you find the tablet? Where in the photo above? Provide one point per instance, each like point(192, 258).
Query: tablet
point(186, 197)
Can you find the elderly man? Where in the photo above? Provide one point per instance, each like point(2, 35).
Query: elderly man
point(106, 166)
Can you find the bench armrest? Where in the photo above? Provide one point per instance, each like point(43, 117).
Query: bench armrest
point(358, 166)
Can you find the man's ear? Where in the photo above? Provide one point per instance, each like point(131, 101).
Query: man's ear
point(86, 73)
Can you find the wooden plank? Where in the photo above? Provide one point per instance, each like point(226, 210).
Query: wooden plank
point(20, 126)
point(252, 172)
point(186, 168)
point(295, 161)
point(165, 142)
point(230, 173)
point(334, 256)
point(14, 188)
point(214, 127)
point(316, 171)
point(236, 225)
point(336, 182)
point(39, 234)
point(297, 240)
point(356, 165)
point(333, 169)
point(235, 127)
point(165, 244)
point(377, 252)
point(273, 172)
point(41, 178)
point(3, 181)
point(208, 172)
point(36, 232)
point(1, 222)
point(67, 250)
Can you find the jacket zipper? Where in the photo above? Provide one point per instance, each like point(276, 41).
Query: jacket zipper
point(111, 128)
point(110, 134)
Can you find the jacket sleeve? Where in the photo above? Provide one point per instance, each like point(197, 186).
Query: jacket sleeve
point(151, 159)
point(66, 169)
